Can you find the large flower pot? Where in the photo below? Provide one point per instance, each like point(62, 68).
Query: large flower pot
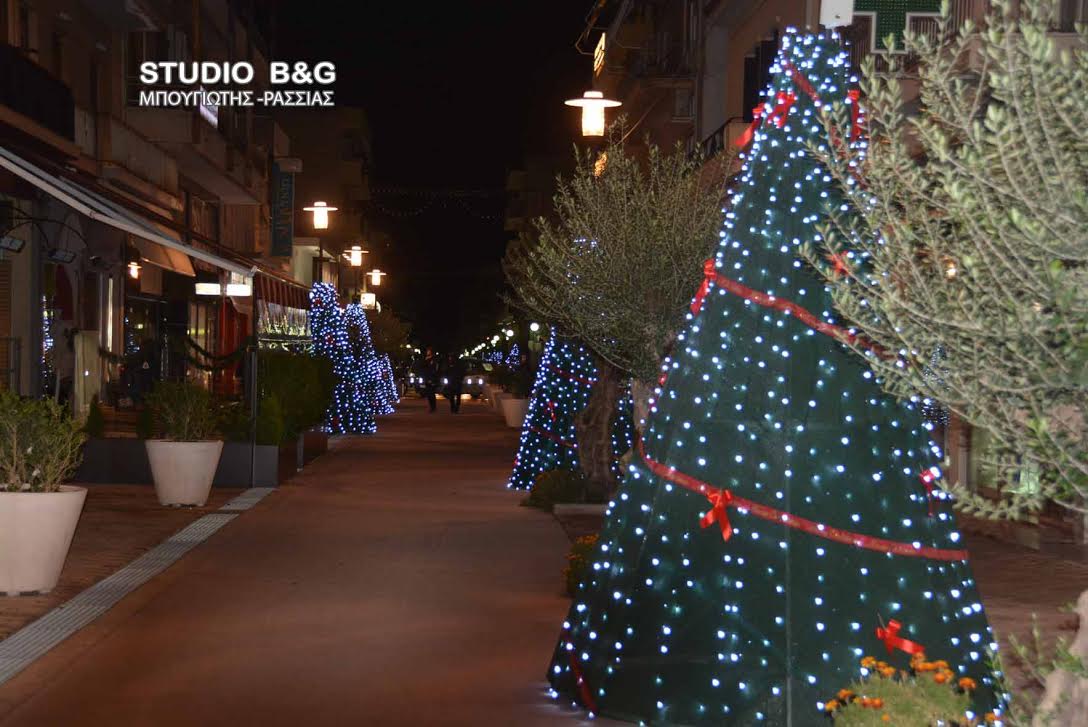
point(496, 401)
point(513, 410)
point(183, 471)
point(36, 530)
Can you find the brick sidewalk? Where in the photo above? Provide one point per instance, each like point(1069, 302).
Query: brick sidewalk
point(119, 523)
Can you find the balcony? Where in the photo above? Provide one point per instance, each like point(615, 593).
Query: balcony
point(35, 96)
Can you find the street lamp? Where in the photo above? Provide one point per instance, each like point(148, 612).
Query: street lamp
point(134, 270)
point(376, 277)
point(593, 104)
point(355, 255)
point(320, 211)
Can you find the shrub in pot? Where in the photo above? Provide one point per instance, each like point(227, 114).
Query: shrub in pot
point(39, 448)
point(184, 461)
point(515, 406)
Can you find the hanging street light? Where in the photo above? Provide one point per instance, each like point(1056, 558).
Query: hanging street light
point(376, 277)
point(134, 270)
point(355, 255)
point(593, 104)
point(320, 211)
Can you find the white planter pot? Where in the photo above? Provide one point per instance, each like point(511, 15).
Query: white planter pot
point(513, 410)
point(36, 530)
point(496, 400)
point(183, 471)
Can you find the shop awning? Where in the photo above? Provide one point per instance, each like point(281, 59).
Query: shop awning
point(164, 257)
point(97, 207)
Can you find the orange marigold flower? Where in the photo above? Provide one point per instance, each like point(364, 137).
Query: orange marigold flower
point(868, 662)
point(990, 717)
point(844, 694)
point(967, 683)
point(940, 677)
point(831, 706)
point(878, 703)
point(885, 718)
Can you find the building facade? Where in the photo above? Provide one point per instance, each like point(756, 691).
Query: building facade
point(136, 240)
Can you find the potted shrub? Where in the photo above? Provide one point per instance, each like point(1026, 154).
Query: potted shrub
point(515, 406)
point(184, 461)
point(39, 448)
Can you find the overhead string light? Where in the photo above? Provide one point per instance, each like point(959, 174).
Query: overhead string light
point(561, 390)
point(779, 514)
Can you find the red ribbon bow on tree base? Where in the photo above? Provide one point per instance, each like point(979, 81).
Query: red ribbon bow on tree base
point(717, 513)
point(892, 640)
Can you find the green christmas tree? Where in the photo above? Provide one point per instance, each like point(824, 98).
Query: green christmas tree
point(778, 523)
point(564, 379)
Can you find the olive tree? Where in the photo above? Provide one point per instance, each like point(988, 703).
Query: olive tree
point(961, 251)
point(617, 266)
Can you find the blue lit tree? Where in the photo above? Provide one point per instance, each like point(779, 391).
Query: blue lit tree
point(775, 526)
point(343, 336)
point(564, 379)
point(561, 390)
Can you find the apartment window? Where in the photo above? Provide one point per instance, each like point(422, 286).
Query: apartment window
point(24, 29)
point(139, 47)
point(58, 55)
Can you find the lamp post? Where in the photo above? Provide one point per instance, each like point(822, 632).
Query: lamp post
point(376, 277)
point(320, 212)
point(593, 104)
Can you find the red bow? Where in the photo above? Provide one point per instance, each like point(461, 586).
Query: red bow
point(709, 273)
point(551, 409)
point(855, 113)
point(783, 101)
point(892, 640)
point(717, 513)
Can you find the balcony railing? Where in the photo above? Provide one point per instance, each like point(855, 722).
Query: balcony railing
point(27, 88)
point(859, 35)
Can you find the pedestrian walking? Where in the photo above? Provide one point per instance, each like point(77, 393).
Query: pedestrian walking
point(455, 379)
point(428, 370)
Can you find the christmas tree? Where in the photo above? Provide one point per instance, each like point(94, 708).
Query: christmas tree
point(561, 390)
point(343, 336)
point(777, 524)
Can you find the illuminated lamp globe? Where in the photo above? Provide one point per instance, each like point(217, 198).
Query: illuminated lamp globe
point(593, 104)
point(376, 277)
point(355, 255)
point(320, 212)
point(134, 270)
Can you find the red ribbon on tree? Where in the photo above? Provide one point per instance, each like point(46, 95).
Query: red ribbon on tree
point(855, 113)
point(551, 409)
point(717, 513)
point(783, 100)
point(892, 640)
point(928, 477)
point(700, 295)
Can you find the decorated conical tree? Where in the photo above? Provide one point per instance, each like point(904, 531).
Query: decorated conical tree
point(561, 390)
point(776, 525)
point(343, 336)
point(365, 366)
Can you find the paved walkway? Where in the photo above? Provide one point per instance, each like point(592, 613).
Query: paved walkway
point(395, 582)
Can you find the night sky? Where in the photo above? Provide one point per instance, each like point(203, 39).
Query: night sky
point(457, 94)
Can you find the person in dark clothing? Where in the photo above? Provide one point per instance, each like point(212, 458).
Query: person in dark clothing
point(455, 378)
point(428, 369)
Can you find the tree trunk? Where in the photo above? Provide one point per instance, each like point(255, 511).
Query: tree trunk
point(641, 393)
point(593, 426)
